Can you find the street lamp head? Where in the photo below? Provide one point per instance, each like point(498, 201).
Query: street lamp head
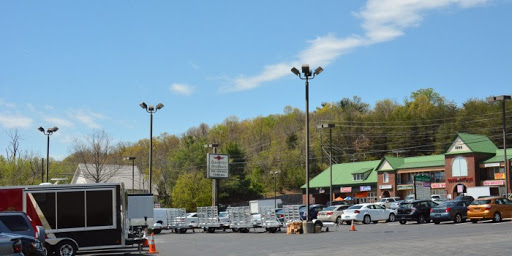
point(498, 98)
point(41, 129)
point(159, 106)
point(129, 158)
point(318, 70)
point(143, 105)
point(295, 71)
point(151, 108)
point(305, 70)
point(54, 129)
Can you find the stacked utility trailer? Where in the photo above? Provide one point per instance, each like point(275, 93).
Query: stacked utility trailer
point(177, 219)
point(269, 219)
point(240, 219)
point(208, 218)
point(292, 219)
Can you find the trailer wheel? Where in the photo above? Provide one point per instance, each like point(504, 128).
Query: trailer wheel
point(182, 230)
point(272, 230)
point(211, 230)
point(236, 230)
point(244, 230)
point(157, 231)
point(66, 248)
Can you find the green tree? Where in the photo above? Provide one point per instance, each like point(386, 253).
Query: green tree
point(192, 190)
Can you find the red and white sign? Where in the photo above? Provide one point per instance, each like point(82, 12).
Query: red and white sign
point(494, 183)
point(438, 185)
point(345, 189)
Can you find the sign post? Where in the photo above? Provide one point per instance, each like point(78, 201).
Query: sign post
point(422, 187)
point(217, 168)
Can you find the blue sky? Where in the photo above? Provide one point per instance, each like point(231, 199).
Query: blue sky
point(86, 65)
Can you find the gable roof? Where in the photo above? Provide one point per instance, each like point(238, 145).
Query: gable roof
point(118, 173)
point(499, 157)
point(414, 162)
point(476, 144)
point(342, 174)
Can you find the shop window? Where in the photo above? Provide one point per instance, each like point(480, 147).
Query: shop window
point(70, 204)
point(386, 177)
point(459, 167)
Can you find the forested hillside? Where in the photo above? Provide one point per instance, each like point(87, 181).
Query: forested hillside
point(421, 125)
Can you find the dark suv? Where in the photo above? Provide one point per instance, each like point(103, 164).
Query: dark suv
point(18, 226)
point(417, 210)
point(313, 211)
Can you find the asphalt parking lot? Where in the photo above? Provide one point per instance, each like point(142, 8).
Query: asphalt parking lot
point(483, 238)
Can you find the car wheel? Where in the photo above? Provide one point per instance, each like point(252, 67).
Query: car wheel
point(458, 218)
point(375, 222)
point(272, 230)
point(421, 219)
point(339, 221)
point(367, 219)
point(436, 222)
point(66, 248)
point(474, 221)
point(496, 217)
point(403, 222)
point(391, 217)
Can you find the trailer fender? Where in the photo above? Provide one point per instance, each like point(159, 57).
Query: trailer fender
point(69, 246)
point(55, 241)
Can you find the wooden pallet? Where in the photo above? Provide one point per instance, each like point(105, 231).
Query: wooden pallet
point(294, 228)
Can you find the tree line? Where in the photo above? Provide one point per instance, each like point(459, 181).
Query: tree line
point(424, 124)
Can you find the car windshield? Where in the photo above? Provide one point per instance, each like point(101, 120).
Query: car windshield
point(480, 202)
point(355, 207)
point(448, 204)
point(223, 214)
point(330, 208)
point(382, 200)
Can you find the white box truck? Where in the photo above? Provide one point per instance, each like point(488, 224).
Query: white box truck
point(256, 204)
point(480, 191)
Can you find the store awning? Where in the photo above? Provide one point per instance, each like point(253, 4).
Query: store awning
point(339, 198)
point(361, 194)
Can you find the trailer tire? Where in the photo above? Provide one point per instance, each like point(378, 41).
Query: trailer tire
point(182, 230)
point(244, 230)
point(65, 248)
point(271, 230)
point(211, 230)
point(236, 230)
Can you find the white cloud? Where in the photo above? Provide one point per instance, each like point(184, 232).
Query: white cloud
point(3, 103)
point(59, 122)
point(89, 118)
point(183, 89)
point(13, 121)
point(382, 20)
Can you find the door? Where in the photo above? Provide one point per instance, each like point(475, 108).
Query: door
point(381, 212)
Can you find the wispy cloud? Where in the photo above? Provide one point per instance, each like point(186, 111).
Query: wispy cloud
point(382, 20)
point(89, 118)
point(59, 122)
point(3, 103)
point(15, 121)
point(183, 89)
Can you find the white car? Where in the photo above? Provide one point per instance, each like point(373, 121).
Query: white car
point(192, 220)
point(224, 219)
point(386, 202)
point(367, 213)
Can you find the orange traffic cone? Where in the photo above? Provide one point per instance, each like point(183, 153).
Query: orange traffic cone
point(353, 227)
point(152, 246)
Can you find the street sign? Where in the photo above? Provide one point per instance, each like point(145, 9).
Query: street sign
point(218, 166)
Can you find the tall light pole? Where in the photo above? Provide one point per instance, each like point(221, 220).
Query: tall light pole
point(306, 75)
point(48, 132)
point(133, 171)
point(151, 109)
point(275, 187)
point(329, 126)
point(503, 98)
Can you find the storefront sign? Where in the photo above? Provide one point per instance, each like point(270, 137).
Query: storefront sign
point(463, 179)
point(460, 188)
point(492, 165)
point(345, 189)
point(386, 186)
point(404, 187)
point(499, 176)
point(493, 183)
point(217, 166)
point(438, 185)
point(365, 188)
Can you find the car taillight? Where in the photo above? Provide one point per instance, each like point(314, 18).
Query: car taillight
point(329, 213)
point(281, 215)
point(447, 209)
point(16, 247)
point(488, 207)
point(431, 210)
point(357, 211)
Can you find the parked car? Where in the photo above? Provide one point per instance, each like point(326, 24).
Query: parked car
point(29, 245)
point(387, 201)
point(368, 212)
point(10, 246)
point(19, 225)
point(437, 198)
point(456, 211)
point(332, 214)
point(410, 198)
point(280, 215)
point(339, 203)
point(192, 220)
point(464, 198)
point(418, 210)
point(493, 208)
point(313, 211)
point(224, 219)
point(396, 204)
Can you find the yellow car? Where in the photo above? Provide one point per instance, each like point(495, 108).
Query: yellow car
point(490, 208)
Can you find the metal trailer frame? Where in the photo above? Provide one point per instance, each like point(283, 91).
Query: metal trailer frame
point(291, 214)
point(177, 219)
point(269, 219)
point(240, 219)
point(208, 218)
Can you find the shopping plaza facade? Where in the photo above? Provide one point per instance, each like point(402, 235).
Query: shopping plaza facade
point(470, 161)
